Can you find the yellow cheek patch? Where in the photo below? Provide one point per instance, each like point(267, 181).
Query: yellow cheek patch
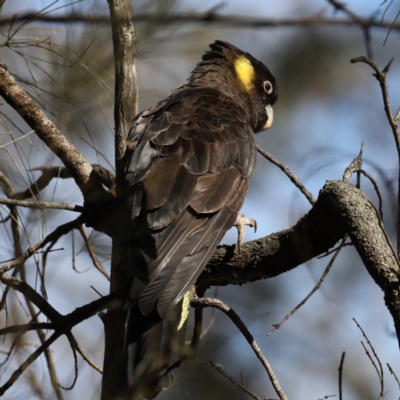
point(245, 72)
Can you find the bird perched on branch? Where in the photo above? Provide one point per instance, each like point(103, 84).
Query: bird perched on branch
point(188, 163)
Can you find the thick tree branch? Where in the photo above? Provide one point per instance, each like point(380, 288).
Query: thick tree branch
point(279, 252)
point(341, 208)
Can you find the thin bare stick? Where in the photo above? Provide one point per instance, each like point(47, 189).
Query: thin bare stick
point(211, 18)
point(208, 302)
point(42, 205)
point(365, 25)
point(315, 288)
point(16, 139)
point(377, 191)
point(16, 235)
point(26, 327)
point(394, 374)
point(295, 179)
point(65, 323)
point(230, 378)
point(78, 348)
point(52, 237)
point(89, 247)
point(328, 253)
point(341, 375)
point(393, 122)
point(379, 370)
point(18, 372)
point(354, 166)
point(69, 335)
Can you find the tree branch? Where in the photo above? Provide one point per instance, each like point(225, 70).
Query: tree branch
point(48, 173)
point(341, 208)
point(33, 115)
point(294, 178)
point(393, 122)
point(224, 20)
point(41, 205)
point(208, 302)
point(18, 372)
point(50, 238)
point(126, 88)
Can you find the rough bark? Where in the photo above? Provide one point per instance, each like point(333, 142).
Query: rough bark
point(341, 208)
point(125, 108)
point(126, 88)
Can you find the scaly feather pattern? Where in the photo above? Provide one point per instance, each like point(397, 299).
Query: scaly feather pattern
point(188, 163)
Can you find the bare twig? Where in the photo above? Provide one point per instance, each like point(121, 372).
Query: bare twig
point(341, 375)
point(364, 24)
point(16, 237)
point(354, 166)
point(18, 372)
point(41, 205)
point(377, 191)
point(26, 327)
point(228, 21)
point(394, 374)
point(96, 262)
point(52, 237)
point(82, 353)
point(379, 370)
point(328, 253)
point(70, 337)
point(295, 179)
point(393, 23)
point(393, 122)
point(16, 139)
point(315, 288)
point(208, 302)
point(230, 378)
point(64, 323)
